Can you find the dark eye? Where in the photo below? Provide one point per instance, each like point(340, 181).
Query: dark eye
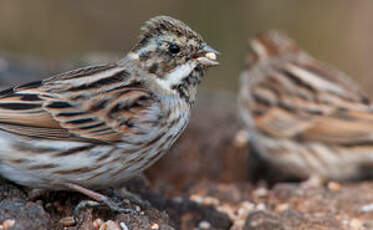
point(173, 48)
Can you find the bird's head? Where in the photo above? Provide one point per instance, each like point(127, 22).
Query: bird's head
point(175, 54)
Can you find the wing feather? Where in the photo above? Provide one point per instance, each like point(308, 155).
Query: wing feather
point(94, 103)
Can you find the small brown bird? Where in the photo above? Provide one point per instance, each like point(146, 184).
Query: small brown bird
point(304, 117)
point(98, 126)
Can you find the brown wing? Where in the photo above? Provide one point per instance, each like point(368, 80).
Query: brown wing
point(95, 103)
point(290, 94)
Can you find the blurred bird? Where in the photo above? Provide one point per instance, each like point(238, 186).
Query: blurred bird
point(305, 118)
point(98, 126)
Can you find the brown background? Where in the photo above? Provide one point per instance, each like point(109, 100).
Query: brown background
point(337, 31)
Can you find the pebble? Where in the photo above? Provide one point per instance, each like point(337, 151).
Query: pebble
point(261, 192)
point(155, 226)
point(67, 221)
point(196, 198)
point(123, 226)
point(282, 207)
point(245, 208)
point(97, 223)
point(7, 224)
point(227, 209)
point(110, 225)
point(210, 201)
point(261, 207)
point(204, 225)
point(356, 224)
point(334, 186)
point(367, 208)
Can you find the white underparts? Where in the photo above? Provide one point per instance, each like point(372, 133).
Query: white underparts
point(176, 76)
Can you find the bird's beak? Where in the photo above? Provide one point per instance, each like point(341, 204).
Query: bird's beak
point(208, 56)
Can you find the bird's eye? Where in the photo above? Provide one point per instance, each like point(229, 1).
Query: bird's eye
point(174, 49)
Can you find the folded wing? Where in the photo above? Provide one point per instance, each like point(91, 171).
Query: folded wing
point(96, 104)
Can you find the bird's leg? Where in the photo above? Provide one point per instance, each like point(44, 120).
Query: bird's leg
point(100, 198)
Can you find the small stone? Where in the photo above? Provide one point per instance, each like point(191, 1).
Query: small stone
point(123, 226)
point(367, 208)
point(334, 186)
point(245, 208)
point(8, 223)
point(204, 225)
point(261, 192)
point(110, 225)
point(227, 209)
point(261, 207)
point(356, 224)
point(282, 207)
point(67, 221)
point(210, 201)
point(97, 223)
point(196, 198)
point(248, 205)
point(155, 226)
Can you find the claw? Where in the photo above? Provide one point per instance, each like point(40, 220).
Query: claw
point(100, 200)
point(116, 207)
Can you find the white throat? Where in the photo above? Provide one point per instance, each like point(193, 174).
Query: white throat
point(176, 76)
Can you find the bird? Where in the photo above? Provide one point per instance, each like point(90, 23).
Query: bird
point(302, 116)
point(96, 127)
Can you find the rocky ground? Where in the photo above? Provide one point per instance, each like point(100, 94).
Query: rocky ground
point(209, 180)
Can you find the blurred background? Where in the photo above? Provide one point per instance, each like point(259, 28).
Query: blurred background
point(338, 32)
